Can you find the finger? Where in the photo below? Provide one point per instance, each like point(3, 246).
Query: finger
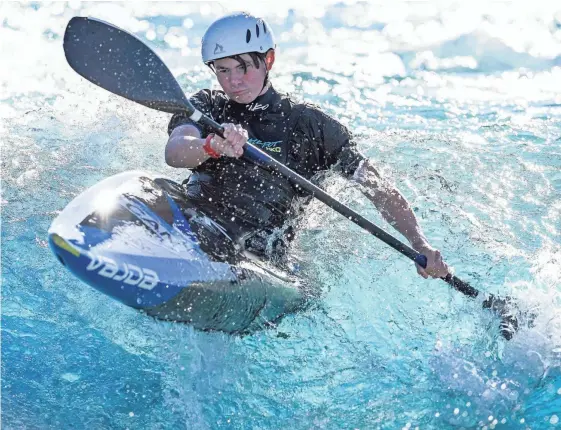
point(239, 147)
point(422, 271)
point(446, 269)
point(238, 141)
point(229, 152)
point(229, 145)
point(440, 273)
point(218, 144)
point(441, 267)
point(234, 148)
point(217, 140)
point(228, 129)
point(245, 137)
point(234, 133)
point(241, 132)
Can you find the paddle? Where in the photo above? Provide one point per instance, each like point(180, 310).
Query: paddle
point(121, 63)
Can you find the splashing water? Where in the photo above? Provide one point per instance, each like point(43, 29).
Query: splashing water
point(459, 105)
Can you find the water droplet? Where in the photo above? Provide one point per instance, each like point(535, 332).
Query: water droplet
point(70, 377)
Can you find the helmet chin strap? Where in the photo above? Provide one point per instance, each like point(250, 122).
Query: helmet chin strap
point(265, 83)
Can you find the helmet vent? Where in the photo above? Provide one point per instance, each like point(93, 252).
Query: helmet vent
point(257, 30)
point(248, 36)
point(264, 28)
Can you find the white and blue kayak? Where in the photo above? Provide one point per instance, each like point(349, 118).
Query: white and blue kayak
point(138, 239)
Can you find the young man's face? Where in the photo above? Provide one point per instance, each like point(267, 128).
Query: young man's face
point(241, 86)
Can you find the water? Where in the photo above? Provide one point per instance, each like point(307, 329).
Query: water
point(459, 104)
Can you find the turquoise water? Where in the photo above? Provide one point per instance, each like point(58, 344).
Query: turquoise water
point(459, 105)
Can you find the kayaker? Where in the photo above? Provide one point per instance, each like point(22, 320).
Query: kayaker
point(251, 202)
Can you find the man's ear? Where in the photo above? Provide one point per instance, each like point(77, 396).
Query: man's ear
point(270, 59)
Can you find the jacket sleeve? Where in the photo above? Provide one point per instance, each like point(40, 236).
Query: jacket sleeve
point(202, 101)
point(337, 146)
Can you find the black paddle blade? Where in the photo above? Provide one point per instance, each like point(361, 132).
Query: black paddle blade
point(121, 63)
point(504, 308)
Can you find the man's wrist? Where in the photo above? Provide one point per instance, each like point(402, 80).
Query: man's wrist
point(208, 149)
point(419, 241)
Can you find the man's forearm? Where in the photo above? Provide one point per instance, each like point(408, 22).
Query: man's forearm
point(390, 202)
point(185, 148)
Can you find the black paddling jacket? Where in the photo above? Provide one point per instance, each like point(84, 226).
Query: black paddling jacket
point(246, 198)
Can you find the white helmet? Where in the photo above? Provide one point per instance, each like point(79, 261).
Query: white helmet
point(235, 34)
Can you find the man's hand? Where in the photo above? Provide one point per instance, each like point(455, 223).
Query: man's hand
point(436, 267)
point(235, 137)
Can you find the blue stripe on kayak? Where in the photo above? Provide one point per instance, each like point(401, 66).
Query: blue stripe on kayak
point(139, 281)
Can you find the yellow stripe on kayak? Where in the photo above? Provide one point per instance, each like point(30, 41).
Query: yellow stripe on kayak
point(61, 243)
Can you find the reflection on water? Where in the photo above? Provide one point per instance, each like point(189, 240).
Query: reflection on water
point(457, 104)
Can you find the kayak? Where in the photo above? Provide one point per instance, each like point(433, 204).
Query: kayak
point(137, 238)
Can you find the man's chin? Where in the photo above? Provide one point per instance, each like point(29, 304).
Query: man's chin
point(244, 98)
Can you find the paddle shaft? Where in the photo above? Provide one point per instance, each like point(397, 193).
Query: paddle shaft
point(261, 158)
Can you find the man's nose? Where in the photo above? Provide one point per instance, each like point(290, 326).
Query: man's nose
point(236, 76)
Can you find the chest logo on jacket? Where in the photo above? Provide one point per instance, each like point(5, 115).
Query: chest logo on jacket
point(267, 146)
point(256, 106)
